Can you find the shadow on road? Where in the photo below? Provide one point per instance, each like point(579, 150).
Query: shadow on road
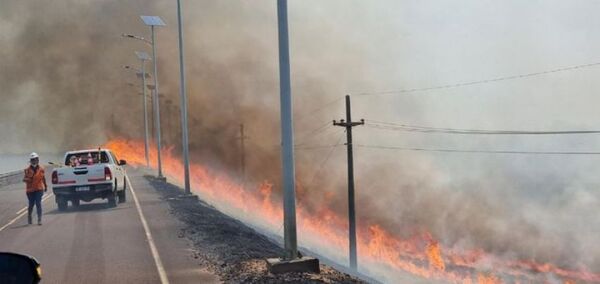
point(89, 207)
point(20, 226)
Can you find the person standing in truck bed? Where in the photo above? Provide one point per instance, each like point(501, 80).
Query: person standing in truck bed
point(35, 181)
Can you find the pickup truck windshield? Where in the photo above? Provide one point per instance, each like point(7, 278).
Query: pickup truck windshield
point(86, 158)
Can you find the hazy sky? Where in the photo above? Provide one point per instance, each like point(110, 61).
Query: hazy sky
point(61, 59)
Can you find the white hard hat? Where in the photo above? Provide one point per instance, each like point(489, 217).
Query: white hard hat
point(33, 155)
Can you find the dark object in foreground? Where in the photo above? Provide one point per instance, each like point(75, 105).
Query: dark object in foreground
point(18, 269)
point(303, 264)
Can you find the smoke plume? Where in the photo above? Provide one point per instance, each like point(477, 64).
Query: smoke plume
point(63, 87)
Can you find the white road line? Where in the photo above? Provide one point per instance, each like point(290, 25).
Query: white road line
point(159, 266)
point(22, 210)
point(21, 213)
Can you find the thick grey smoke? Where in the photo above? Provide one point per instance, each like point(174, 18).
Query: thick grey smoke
point(62, 87)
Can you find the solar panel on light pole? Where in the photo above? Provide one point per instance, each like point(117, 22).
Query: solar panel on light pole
point(155, 21)
point(141, 55)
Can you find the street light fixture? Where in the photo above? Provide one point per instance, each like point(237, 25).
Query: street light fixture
point(138, 72)
point(138, 38)
point(154, 21)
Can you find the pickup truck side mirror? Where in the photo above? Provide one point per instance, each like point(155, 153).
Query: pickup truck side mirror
point(18, 268)
point(122, 162)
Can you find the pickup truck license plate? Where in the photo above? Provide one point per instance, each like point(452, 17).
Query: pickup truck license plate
point(82, 188)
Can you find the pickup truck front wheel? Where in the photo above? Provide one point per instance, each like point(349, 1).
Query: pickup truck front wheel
point(62, 203)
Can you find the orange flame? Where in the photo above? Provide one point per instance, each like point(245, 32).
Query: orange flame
point(434, 255)
point(380, 252)
point(488, 279)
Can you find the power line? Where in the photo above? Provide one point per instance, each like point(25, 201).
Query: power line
point(296, 146)
point(316, 147)
point(477, 151)
point(427, 129)
point(318, 109)
point(313, 133)
point(324, 162)
point(470, 83)
point(327, 133)
point(479, 132)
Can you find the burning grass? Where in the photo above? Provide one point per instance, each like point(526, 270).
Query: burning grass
point(381, 253)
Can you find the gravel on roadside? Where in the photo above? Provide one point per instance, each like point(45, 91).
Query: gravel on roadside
point(231, 249)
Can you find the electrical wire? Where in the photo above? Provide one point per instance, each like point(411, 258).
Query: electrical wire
point(324, 162)
point(478, 82)
point(426, 129)
point(477, 151)
point(313, 133)
point(318, 109)
point(315, 147)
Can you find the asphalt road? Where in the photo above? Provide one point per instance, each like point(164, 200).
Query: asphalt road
point(97, 244)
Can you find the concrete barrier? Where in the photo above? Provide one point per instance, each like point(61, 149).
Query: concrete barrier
point(11, 178)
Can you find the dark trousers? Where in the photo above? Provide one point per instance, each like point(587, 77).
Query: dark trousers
point(35, 198)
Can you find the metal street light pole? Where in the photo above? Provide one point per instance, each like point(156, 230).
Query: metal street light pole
point(287, 135)
point(156, 106)
point(143, 75)
point(183, 98)
point(154, 21)
point(152, 128)
point(145, 113)
point(143, 57)
point(291, 261)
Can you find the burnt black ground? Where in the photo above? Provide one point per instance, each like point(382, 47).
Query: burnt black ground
point(229, 248)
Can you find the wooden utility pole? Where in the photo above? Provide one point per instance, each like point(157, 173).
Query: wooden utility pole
point(242, 153)
point(348, 124)
point(168, 133)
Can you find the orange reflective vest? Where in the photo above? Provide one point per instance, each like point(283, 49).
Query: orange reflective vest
point(35, 179)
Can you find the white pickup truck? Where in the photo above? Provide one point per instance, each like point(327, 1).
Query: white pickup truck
point(87, 175)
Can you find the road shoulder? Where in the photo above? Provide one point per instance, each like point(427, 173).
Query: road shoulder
point(174, 251)
point(229, 248)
